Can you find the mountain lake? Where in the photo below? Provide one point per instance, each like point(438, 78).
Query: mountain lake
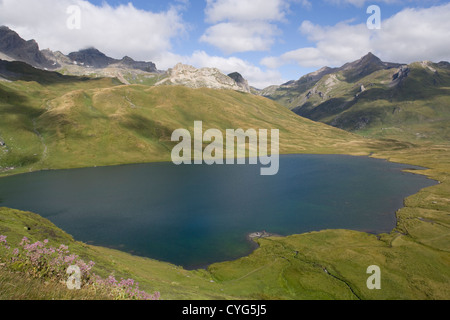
point(195, 215)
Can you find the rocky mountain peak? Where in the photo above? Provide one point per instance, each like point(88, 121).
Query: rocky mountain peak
point(127, 59)
point(371, 56)
point(128, 62)
point(368, 60)
point(94, 58)
point(240, 81)
point(91, 57)
point(365, 66)
point(192, 77)
point(13, 46)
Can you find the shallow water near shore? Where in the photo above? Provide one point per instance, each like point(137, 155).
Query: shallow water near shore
point(195, 215)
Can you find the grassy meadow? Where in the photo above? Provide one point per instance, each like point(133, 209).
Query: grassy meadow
point(87, 123)
point(77, 122)
point(414, 109)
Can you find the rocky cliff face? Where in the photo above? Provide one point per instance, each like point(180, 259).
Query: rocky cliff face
point(16, 48)
point(192, 77)
point(240, 81)
point(93, 58)
point(83, 62)
point(365, 66)
point(127, 62)
point(402, 73)
point(377, 98)
point(294, 94)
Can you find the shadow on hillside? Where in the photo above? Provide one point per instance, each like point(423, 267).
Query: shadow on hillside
point(11, 96)
point(20, 71)
point(147, 128)
point(12, 102)
point(326, 109)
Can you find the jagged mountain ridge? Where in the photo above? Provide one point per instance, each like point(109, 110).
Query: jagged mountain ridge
point(367, 96)
point(88, 61)
point(93, 58)
point(352, 71)
point(365, 66)
point(212, 78)
point(240, 81)
point(374, 98)
point(94, 63)
point(14, 48)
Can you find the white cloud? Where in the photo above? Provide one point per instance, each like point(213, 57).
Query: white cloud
point(166, 60)
point(126, 30)
point(305, 3)
point(232, 37)
point(411, 35)
point(416, 34)
point(245, 10)
point(244, 25)
point(360, 3)
point(305, 57)
point(117, 31)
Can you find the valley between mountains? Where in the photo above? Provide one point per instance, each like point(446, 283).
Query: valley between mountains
point(85, 109)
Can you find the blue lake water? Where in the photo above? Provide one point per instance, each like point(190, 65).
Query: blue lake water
point(194, 215)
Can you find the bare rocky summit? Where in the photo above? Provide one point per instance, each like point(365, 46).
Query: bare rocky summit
point(192, 77)
point(240, 81)
point(93, 58)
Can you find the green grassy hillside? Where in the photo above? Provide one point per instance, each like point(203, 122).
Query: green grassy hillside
point(77, 122)
point(331, 264)
point(379, 103)
point(66, 122)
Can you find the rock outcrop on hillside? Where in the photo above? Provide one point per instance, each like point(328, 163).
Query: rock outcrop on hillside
point(192, 77)
point(240, 81)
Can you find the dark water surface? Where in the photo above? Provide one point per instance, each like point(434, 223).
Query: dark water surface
point(196, 215)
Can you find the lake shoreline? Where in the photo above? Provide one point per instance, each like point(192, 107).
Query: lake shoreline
point(255, 236)
point(252, 238)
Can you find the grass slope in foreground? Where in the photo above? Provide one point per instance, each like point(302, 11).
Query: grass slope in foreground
point(331, 264)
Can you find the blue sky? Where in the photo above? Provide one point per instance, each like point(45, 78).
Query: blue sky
point(267, 41)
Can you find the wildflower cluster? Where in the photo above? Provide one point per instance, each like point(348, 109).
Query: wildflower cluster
point(122, 290)
point(39, 260)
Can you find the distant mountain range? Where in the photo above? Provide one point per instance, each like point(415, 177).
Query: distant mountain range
point(94, 63)
point(13, 47)
point(368, 96)
point(374, 98)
